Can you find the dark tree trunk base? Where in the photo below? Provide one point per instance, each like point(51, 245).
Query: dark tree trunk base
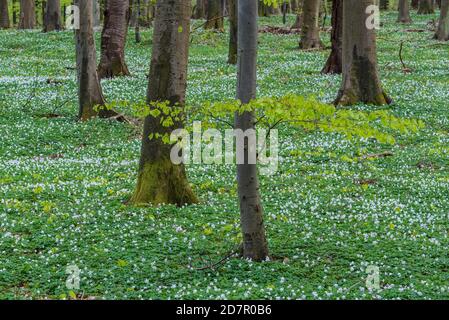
point(112, 70)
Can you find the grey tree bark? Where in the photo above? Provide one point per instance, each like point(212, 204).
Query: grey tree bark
point(96, 14)
point(27, 14)
point(90, 93)
point(214, 15)
point(334, 62)
point(442, 33)
point(52, 20)
point(113, 40)
point(361, 81)
point(404, 12)
point(159, 180)
point(310, 32)
point(4, 15)
point(200, 9)
point(426, 7)
point(233, 30)
point(255, 245)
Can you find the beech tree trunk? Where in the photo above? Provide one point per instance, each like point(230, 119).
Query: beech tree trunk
point(90, 94)
point(426, 7)
point(113, 40)
point(442, 33)
point(233, 30)
point(404, 11)
point(159, 180)
point(96, 14)
point(200, 9)
point(310, 32)
point(334, 62)
point(255, 245)
point(361, 82)
point(214, 15)
point(4, 15)
point(27, 14)
point(52, 20)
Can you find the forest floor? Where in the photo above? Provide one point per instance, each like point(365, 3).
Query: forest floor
point(329, 215)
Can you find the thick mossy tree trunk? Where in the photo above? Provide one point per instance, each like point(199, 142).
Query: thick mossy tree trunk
point(426, 7)
point(159, 179)
point(233, 30)
point(90, 94)
point(334, 62)
point(310, 32)
point(214, 15)
point(442, 33)
point(27, 14)
point(4, 15)
point(255, 245)
point(113, 40)
point(361, 81)
point(404, 12)
point(52, 20)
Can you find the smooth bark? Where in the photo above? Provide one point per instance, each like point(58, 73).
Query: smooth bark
point(113, 40)
point(442, 33)
point(159, 180)
point(27, 14)
point(4, 15)
point(404, 12)
point(426, 7)
point(255, 245)
point(334, 62)
point(52, 20)
point(310, 32)
point(214, 15)
point(361, 81)
point(233, 30)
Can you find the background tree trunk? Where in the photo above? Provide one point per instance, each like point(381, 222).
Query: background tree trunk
point(334, 62)
point(96, 14)
point(404, 12)
point(310, 32)
point(442, 33)
point(159, 180)
point(4, 14)
point(27, 14)
point(251, 212)
point(426, 7)
point(361, 82)
point(52, 19)
point(214, 15)
point(233, 30)
point(89, 89)
point(113, 40)
point(200, 9)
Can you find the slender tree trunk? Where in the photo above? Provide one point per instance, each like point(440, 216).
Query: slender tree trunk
point(214, 15)
point(310, 32)
point(361, 81)
point(4, 15)
point(89, 90)
point(96, 14)
point(233, 30)
point(426, 7)
point(113, 40)
point(442, 33)
point(404, 12)
point(255, 245)
point(334, 62)
point(27, 14)
point(133, 17)
point(52, 19)
point(159, 180)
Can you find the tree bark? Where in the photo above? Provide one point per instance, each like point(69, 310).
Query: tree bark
point(214, 15)
point(361, 81)
point(96, 14)
point(442, 33)
point(426, 7)
point(113, 40)
point(200, 9)
point(4, 15)
point(159, 180)
point(52, 19)
point(334, 62)
point(233, 30)
point(310, 32)
point(90, 94)
point(27, 14)
point(404, 12)
point(255, 245)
